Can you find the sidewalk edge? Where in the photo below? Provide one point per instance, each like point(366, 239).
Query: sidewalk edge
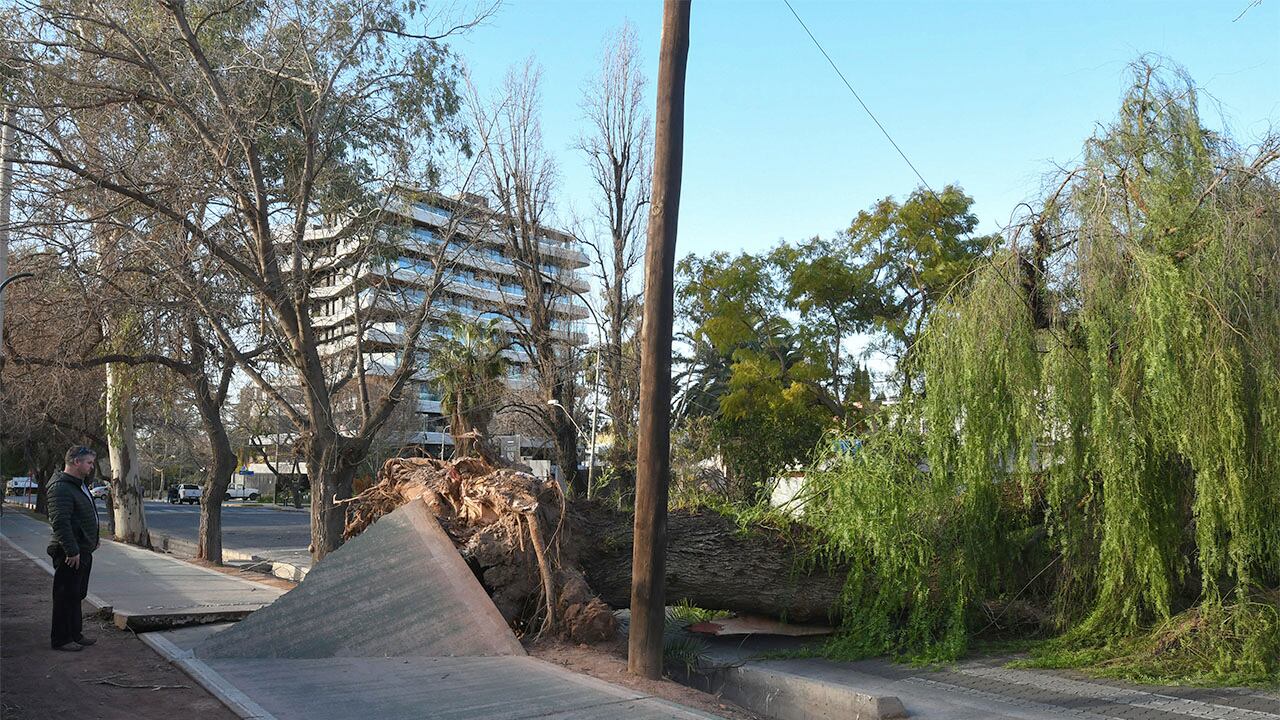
point(102, 605)
point(207, 678)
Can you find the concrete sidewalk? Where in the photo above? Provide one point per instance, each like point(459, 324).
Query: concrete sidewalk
point(449, 688)
point(144, 590)
point(982, 689)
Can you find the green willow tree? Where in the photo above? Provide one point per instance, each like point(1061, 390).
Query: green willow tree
point(1102, 415)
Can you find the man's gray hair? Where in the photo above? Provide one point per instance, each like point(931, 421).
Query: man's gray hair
point(78, 451)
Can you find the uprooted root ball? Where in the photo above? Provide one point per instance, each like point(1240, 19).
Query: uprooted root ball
point(508, 525)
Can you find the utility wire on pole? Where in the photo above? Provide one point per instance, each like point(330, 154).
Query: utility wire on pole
point(653, 454)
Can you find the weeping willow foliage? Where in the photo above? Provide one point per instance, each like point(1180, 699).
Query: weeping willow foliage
point(1100, 428)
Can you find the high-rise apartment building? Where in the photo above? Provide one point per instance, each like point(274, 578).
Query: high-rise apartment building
point(478, 279)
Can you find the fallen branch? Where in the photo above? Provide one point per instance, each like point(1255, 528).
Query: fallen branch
point(127, 686)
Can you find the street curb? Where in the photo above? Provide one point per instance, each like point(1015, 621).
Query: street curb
point(780, 695)
point(208, 678)
point(165, 542)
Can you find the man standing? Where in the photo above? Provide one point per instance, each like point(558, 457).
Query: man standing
point(73, 519)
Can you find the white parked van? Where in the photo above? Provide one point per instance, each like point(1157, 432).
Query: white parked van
point(21, 486)
point(242, 493)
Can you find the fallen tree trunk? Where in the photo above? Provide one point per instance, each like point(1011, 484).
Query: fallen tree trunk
point(548, 563)
point(711, 563)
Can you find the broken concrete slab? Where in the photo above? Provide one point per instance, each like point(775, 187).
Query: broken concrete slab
point(166, 619)
point(399, 589)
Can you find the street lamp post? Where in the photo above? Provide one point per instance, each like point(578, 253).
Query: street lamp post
point(595, 390)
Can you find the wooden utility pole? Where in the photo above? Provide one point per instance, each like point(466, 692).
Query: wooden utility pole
point(653, 461)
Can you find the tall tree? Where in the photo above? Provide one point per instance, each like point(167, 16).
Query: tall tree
point(618, 145)
point(521, 179)
point(1103, 397)
point(280, 118)
point(764, 361)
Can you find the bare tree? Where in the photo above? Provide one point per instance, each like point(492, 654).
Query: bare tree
point(618, 145)
point(46, 409)
point(277, 118)
point(521, 179)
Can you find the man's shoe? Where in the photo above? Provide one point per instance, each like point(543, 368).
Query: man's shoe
point(69, 647)
point(85, 641)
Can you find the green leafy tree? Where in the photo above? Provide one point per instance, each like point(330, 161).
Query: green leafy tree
point(750, 368)
point(908, 256)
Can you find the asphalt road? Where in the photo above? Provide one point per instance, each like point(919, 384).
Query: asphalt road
point(263, 531)
point(275, 534)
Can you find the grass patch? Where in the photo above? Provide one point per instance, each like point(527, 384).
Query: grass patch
point(1235, 645)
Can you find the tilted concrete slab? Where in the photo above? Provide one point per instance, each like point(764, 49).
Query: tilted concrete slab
point(145, 590)
point(399, 589)
point(456, 688)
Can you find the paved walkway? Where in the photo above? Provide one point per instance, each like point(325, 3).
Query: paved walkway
point(147, 590)
point(979, 689)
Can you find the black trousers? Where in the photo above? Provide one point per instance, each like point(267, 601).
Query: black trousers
point(70, 587)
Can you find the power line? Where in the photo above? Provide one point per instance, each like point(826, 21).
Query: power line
point(1000, 273)
point(858, 97)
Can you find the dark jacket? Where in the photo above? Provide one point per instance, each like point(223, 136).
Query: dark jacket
point(73, 518)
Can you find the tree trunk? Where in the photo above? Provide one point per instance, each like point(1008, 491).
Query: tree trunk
point(209, 541)
point(222, 465)
point(566, 445)
point(122, 444)
point(710, 563)
point(331, 479)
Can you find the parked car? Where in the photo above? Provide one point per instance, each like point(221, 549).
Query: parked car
point(189, 493)
point(21, 486)
point(242, 493)
point(100, 491)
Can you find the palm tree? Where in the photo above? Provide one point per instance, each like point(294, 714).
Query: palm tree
point(469, 371)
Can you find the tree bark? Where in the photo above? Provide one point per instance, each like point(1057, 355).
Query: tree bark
point(710, 563)
point(222, 465)
point(331, 478)
point(130, 524)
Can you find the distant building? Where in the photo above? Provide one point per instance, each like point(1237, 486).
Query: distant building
point(479, 281)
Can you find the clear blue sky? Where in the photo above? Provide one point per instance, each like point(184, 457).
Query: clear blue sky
point(989, 95)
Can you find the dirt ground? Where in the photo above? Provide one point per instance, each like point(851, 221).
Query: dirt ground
point(116, 678)
point(608, 662)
